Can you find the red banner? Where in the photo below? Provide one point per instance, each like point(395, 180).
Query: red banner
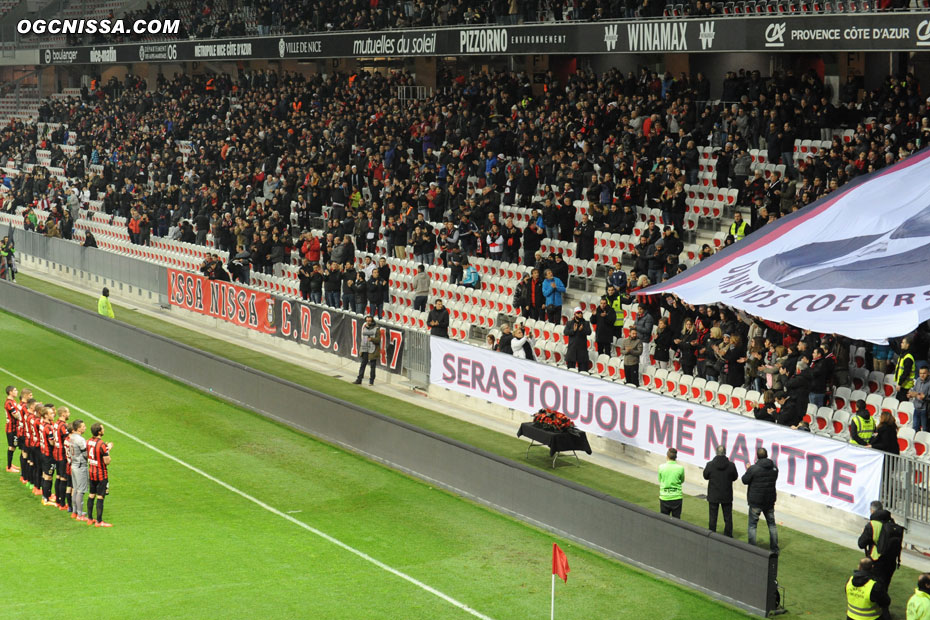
point(234, 304)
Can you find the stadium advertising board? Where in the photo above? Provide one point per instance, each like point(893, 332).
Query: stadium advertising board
point(817, 468)
point(878, 31)
point(838, 265)
point(234, 304)
point(335, 332)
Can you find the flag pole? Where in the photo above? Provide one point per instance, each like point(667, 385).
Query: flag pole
point(552, 614)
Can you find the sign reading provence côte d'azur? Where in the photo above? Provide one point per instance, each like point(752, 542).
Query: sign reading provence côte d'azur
point(878, 31)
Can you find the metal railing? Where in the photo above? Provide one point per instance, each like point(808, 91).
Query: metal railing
point(132, 271)
point(414, 93)
point(417, 357)
point(906, 489)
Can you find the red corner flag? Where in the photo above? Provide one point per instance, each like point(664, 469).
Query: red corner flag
point(559, 563)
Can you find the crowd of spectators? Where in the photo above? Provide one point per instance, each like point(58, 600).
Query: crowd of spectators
point(241, 156)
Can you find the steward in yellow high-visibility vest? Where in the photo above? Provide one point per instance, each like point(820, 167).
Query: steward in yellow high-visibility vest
point(865, 597)
point(615, 301)
point(738, 228)
point(905, 370)
point(918, 606)
point(862, 426)
point(104, 307)
point(884, 562)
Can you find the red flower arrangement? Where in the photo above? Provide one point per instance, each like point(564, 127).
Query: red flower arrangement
point(551, 420)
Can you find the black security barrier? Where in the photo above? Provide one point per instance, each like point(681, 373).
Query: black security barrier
point(724, 568)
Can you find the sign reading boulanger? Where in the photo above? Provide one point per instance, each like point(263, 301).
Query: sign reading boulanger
point(863, 32)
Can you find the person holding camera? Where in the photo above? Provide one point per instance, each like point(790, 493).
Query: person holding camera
point(370, 350)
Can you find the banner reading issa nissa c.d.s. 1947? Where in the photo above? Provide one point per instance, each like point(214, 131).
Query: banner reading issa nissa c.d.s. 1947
point(320, 327)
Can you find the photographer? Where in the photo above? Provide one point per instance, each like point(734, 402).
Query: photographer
point(522, 343)
point(370, 350)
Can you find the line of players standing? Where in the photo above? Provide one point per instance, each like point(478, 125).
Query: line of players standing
point(53, 451)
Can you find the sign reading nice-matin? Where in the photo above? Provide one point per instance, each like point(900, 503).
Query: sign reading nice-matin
point(817, 468)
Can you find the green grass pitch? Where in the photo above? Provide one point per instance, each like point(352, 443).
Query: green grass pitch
point(183, 546)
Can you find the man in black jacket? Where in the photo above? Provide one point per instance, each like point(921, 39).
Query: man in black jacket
point(791, 411)
point(821, 374)
point(559, 268)
point(503, 345)
point(532, 238)
point(720, 474)
point(438, 320)
point(761, 495)
point(303, 275)
point(577, 331)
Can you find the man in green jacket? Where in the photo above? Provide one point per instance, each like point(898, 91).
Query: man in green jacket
point(918, 606)
point(104, 307)
point(671, 477)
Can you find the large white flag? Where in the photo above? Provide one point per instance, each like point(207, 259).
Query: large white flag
point(855, 263)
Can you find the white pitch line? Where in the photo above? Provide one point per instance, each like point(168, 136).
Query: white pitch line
point(259, 502)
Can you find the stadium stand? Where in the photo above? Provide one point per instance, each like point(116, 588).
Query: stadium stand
point(644, 173)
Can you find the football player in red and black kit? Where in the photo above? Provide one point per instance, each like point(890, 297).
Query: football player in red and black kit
point(62, 479)
point(33, 411)
point(11, 406)
point(46, 445)
point(24, 397)
point(98, 458)
point(35, 452)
